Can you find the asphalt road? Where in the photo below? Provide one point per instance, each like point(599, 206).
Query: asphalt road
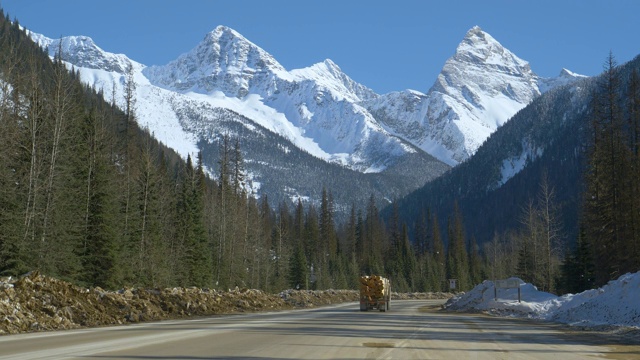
point(411, 330)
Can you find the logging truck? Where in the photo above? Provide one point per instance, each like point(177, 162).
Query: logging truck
point(375, 293)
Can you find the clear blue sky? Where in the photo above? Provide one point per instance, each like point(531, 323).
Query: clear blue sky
point(386, 45)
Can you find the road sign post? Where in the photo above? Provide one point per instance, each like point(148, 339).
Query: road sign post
point(507, 284)
point(452, 284)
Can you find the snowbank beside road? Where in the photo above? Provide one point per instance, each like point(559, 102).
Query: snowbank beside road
point(617, 303)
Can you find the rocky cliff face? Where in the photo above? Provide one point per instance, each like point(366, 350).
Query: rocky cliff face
point(319, 103)
point(223, 61)
point(479, 88)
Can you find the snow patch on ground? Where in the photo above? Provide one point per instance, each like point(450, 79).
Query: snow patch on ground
point(512, 166)
point(616, 304)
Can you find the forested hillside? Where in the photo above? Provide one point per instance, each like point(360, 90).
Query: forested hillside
point(532, 197)
point(88, 196)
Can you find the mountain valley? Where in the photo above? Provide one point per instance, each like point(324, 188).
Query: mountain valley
point(307, 129)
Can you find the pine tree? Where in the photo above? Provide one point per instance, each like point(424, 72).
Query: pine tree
point(422, 236)
point(327, 226)
point(373, 235)
point(605, 213)
point(196, 269)
point(578, 268)
point(312, 240)
point(438, 272)
point(350, 235)
point(633, 239)
point(237, 162)
point(394, 260)
point(98, 250)
point(298, 272)
point(361, 255)
point(327, 266)
point(476, 270)
point(55, 250)
point(281, 246)
point(225, 206)
point(457, 257)
point(408, 259)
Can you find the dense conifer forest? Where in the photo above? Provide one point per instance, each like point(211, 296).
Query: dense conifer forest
point(567, 221)
point(88, 196)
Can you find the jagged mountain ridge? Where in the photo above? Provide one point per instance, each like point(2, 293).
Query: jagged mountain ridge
point(282, 163)
point(319, 103)
point(479, 88)
point(547, 142)
point(319, 109)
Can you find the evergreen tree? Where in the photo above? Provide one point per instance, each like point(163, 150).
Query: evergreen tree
point(98, 250)
point(457, 257)
point(394, 261)
point(606, 209)
point(476, 270)
point(312, 241)
point(633, 221)
point(238, 171)
point(327, 226)
point(281, 245)
point(578, 268)
point(438, 264)
point(196, 269)
point(373, 236)
point(422, 241)
point(298, 272)
point(408, 260)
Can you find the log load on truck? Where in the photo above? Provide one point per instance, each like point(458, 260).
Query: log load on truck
point(375, 293)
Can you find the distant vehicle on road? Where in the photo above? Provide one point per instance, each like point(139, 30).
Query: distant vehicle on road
point(375, 293)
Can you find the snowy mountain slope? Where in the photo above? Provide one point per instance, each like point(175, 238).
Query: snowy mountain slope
point(480, 87)
point(565, 77)
point(227, 84)
point(223, 61)
point(82, 52)
point(306, 119)
point(324, 112)
point(316, 108)
point(106, 71)
point(544, 139)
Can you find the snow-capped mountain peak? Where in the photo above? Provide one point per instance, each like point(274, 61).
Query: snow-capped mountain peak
point(482, 62)
point(479, 88)
point(328, 74)
point(82, 51)
point(227, 82)
point(222, 30)
point(479, 47)
point(565, 73)
point(319, 71)
point(230, 50)
point(223, 61)
point(564, 78)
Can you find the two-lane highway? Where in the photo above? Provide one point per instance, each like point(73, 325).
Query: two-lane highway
point(411, 330)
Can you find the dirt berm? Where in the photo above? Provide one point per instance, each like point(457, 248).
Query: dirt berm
point(35, 302)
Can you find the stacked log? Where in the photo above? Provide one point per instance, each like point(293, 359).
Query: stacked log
point(373, 287)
